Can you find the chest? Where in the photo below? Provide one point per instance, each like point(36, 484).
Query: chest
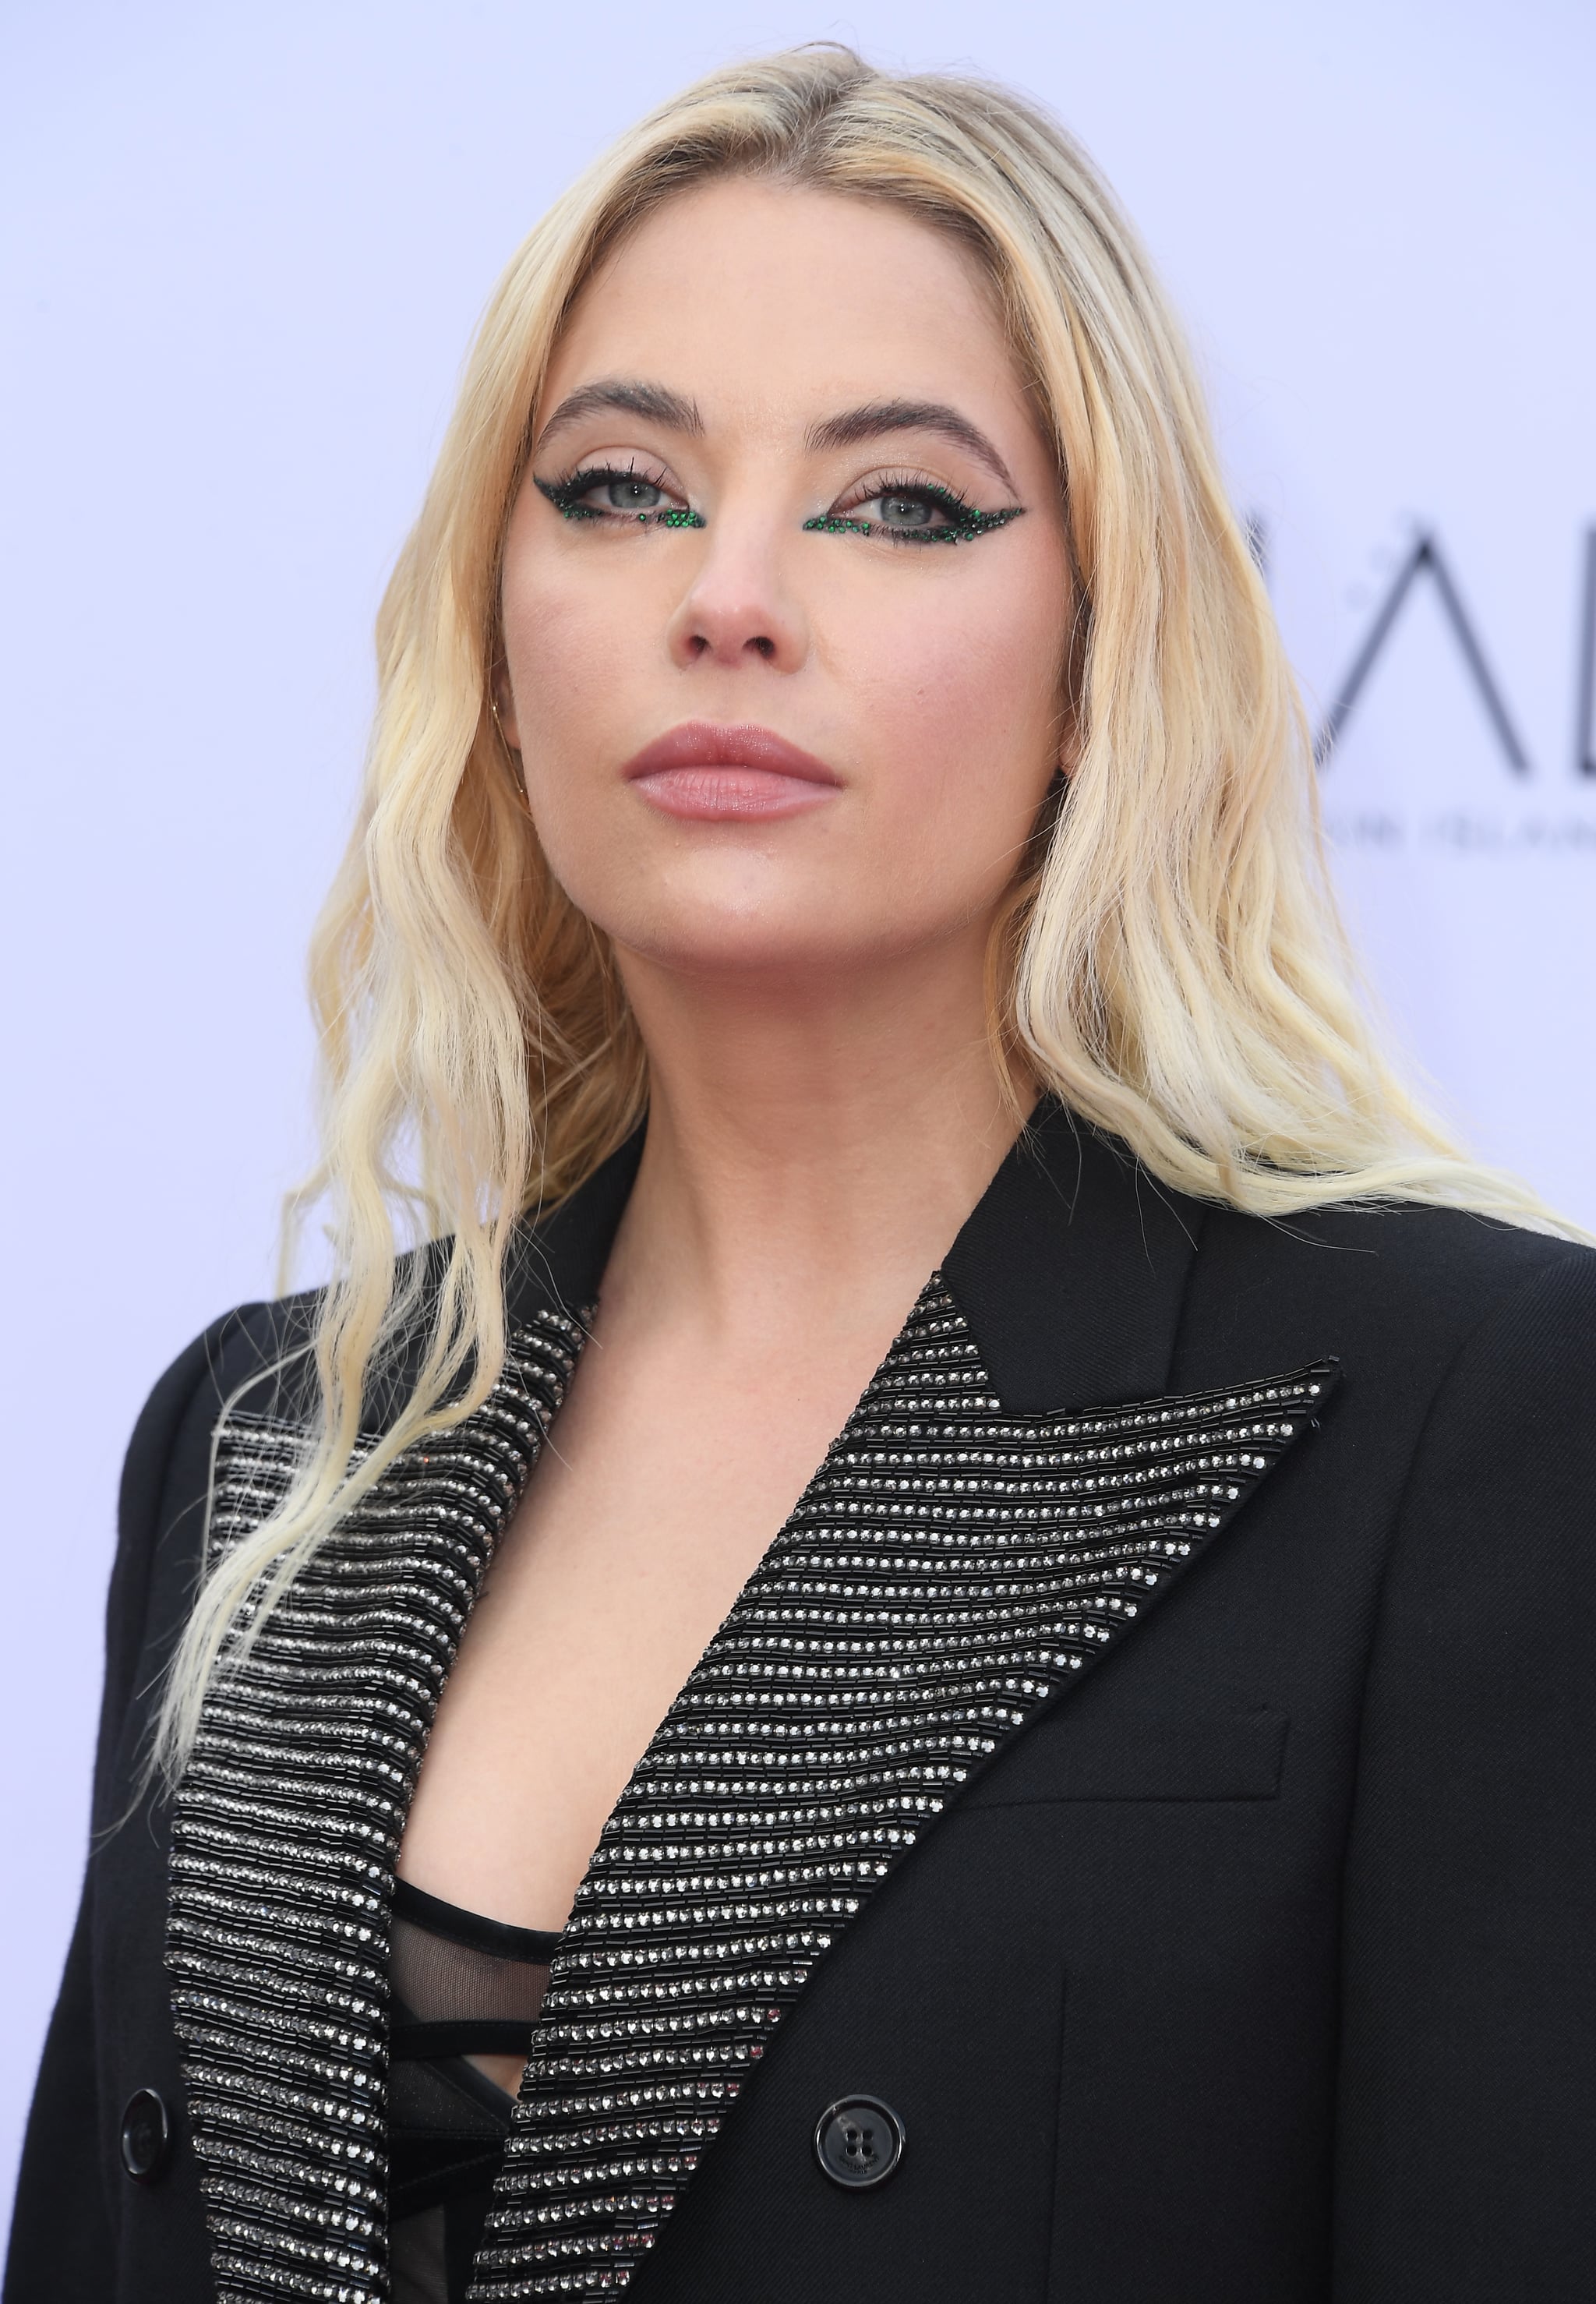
point(650, 1506)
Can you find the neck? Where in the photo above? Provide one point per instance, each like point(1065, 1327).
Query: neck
point(812, 1149)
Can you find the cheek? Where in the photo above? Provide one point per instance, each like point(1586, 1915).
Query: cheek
point(557, 636)
point(961, 693)
point(564, 653)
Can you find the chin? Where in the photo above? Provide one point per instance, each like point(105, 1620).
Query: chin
point(757, 943)
point(728, 907)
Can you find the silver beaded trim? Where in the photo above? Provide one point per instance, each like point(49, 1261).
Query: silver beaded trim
point(948, 1569)
point(287, 1827)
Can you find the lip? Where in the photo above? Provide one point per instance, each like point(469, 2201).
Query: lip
point(727, 774)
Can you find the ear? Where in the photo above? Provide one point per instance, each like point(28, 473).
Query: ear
point(1066, 743)
point(501, 697)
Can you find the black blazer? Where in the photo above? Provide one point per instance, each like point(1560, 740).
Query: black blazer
point(1174, 1822)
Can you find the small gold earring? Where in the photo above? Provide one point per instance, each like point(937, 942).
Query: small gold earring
point(511, 754)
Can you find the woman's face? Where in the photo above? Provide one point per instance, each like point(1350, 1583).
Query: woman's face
point(786, 592)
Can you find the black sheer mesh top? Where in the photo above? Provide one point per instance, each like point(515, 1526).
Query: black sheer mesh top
point(465, 1995)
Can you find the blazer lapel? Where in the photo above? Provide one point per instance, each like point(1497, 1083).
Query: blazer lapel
point(287, 1825)
point(967, 1549)
point(1072, 1270)
point(286, 1828)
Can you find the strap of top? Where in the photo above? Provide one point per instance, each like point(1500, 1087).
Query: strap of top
point(455, 1925)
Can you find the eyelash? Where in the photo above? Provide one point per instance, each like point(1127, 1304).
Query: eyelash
point(963, 521)
point(566, 494)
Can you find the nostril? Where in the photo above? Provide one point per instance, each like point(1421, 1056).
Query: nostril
point(766, 647)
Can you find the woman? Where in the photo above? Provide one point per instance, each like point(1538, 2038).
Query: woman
point(835, 959)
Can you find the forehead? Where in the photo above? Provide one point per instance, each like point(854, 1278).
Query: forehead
point(756, 297)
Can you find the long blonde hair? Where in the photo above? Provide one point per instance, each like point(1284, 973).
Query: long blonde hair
point(1170, 960)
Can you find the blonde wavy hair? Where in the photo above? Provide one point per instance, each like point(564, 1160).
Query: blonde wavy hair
point(1169, 963)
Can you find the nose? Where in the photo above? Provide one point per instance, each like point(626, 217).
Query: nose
point(736, 611)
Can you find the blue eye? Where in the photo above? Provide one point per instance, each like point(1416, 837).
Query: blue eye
point(602, 494)
point(627, 496)
point(914, 511)
point(911, 514)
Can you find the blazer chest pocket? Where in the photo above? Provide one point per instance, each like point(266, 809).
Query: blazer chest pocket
point(1237, 1755)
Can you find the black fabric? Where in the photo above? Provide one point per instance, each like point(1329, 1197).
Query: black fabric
point(1071, 1276)
point(463, 1985)
point(560, 1262)
point(440, 1922)
point(1256, 1973)
point(82, 2232)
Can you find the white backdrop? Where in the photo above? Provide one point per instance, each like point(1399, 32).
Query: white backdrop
point(245, 249)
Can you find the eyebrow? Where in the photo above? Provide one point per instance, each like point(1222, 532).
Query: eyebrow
point(654, 400)
point(877, 417)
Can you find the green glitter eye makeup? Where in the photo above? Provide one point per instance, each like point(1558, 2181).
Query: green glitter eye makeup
point(914, 511)
point(600, 492)
point(903, 510)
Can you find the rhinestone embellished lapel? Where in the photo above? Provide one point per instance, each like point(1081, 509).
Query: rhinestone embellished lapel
point(950, 1570)
point(286, 1830)
point(947, 1571)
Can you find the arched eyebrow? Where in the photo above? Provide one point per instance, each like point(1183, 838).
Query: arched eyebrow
point(877, 417)
point(656, 401)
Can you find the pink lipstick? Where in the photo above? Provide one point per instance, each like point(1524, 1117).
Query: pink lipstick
point(721, 774)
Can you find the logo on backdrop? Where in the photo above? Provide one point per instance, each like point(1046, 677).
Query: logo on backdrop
point(1466, 830)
